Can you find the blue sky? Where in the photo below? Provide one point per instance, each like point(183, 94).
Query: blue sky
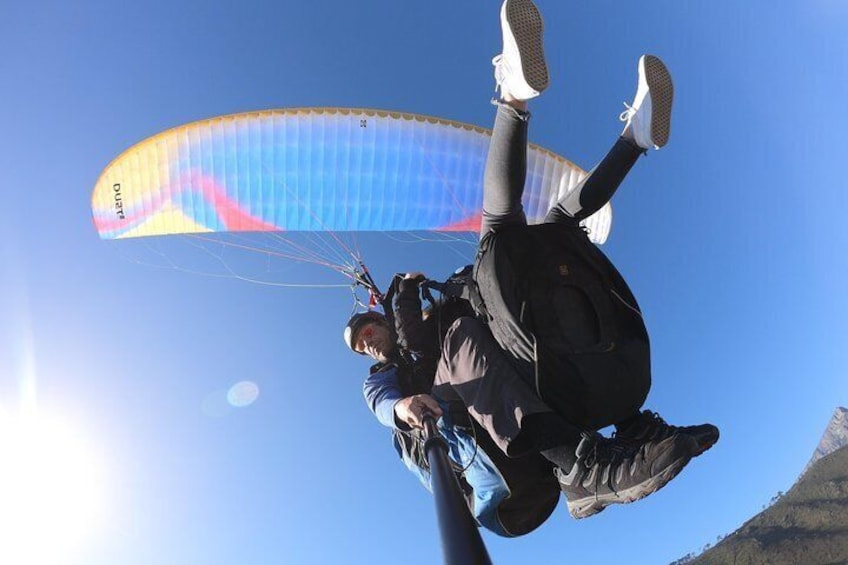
point(731, 238)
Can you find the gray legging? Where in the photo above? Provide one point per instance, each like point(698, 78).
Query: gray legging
point(506, 168)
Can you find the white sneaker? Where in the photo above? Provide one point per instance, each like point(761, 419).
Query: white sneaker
point(649, 117)
point(520, 70)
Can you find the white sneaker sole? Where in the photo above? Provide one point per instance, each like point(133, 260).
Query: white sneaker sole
point(526, 26)
point(661, 91)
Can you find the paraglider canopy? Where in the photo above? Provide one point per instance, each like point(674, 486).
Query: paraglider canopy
point(315, 169)
point(319, 171)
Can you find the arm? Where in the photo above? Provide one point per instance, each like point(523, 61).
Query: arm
point(393, 410)
point(382, 392)
point(414, 333)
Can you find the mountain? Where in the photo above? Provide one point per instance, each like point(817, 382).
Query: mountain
point(808, 525)
point(835, 436)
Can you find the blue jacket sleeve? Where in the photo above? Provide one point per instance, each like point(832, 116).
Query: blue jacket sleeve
point(382, 392)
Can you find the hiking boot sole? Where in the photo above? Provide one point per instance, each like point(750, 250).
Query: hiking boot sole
point(525, 23)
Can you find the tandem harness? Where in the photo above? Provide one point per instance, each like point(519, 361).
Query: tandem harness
point(565, 317)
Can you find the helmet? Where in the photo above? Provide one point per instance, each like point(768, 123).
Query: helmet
point(356, 322)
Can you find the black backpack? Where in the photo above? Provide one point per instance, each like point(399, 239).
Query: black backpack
point(567, 319)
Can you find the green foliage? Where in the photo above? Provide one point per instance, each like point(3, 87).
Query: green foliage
point(808, 524)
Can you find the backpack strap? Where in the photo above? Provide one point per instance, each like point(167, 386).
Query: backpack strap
point(460, 285)
point(388, 298)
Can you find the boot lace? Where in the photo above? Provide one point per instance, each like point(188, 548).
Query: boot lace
point(607, 456)
point(657, 426)
point(650, 427)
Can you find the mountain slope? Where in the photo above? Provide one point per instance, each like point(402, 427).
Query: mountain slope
point(835, 436)
point(808, 525)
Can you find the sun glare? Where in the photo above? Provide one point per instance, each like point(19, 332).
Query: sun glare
point(50, 490)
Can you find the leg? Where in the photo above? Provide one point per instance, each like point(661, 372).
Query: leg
point(648, 124)
point(598, 188)
point(474, 371)
point(506, 169)
point(593, 471)
point(521, 74)
point(475, 377)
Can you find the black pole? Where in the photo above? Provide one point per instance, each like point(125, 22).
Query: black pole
point(461, 541)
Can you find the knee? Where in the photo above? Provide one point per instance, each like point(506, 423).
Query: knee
point(466, 332)
point(464, 328)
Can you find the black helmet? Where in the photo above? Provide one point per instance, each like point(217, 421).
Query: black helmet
point(357, 321)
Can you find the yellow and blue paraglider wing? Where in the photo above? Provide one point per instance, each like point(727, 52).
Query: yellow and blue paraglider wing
point(316, 169)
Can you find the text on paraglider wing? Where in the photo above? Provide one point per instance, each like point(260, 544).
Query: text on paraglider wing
point(119, 203)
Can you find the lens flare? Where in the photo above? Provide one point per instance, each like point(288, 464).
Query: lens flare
point(243, 394)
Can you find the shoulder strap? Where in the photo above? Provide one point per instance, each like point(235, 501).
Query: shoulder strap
point(459, 285)
point(388, 298)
